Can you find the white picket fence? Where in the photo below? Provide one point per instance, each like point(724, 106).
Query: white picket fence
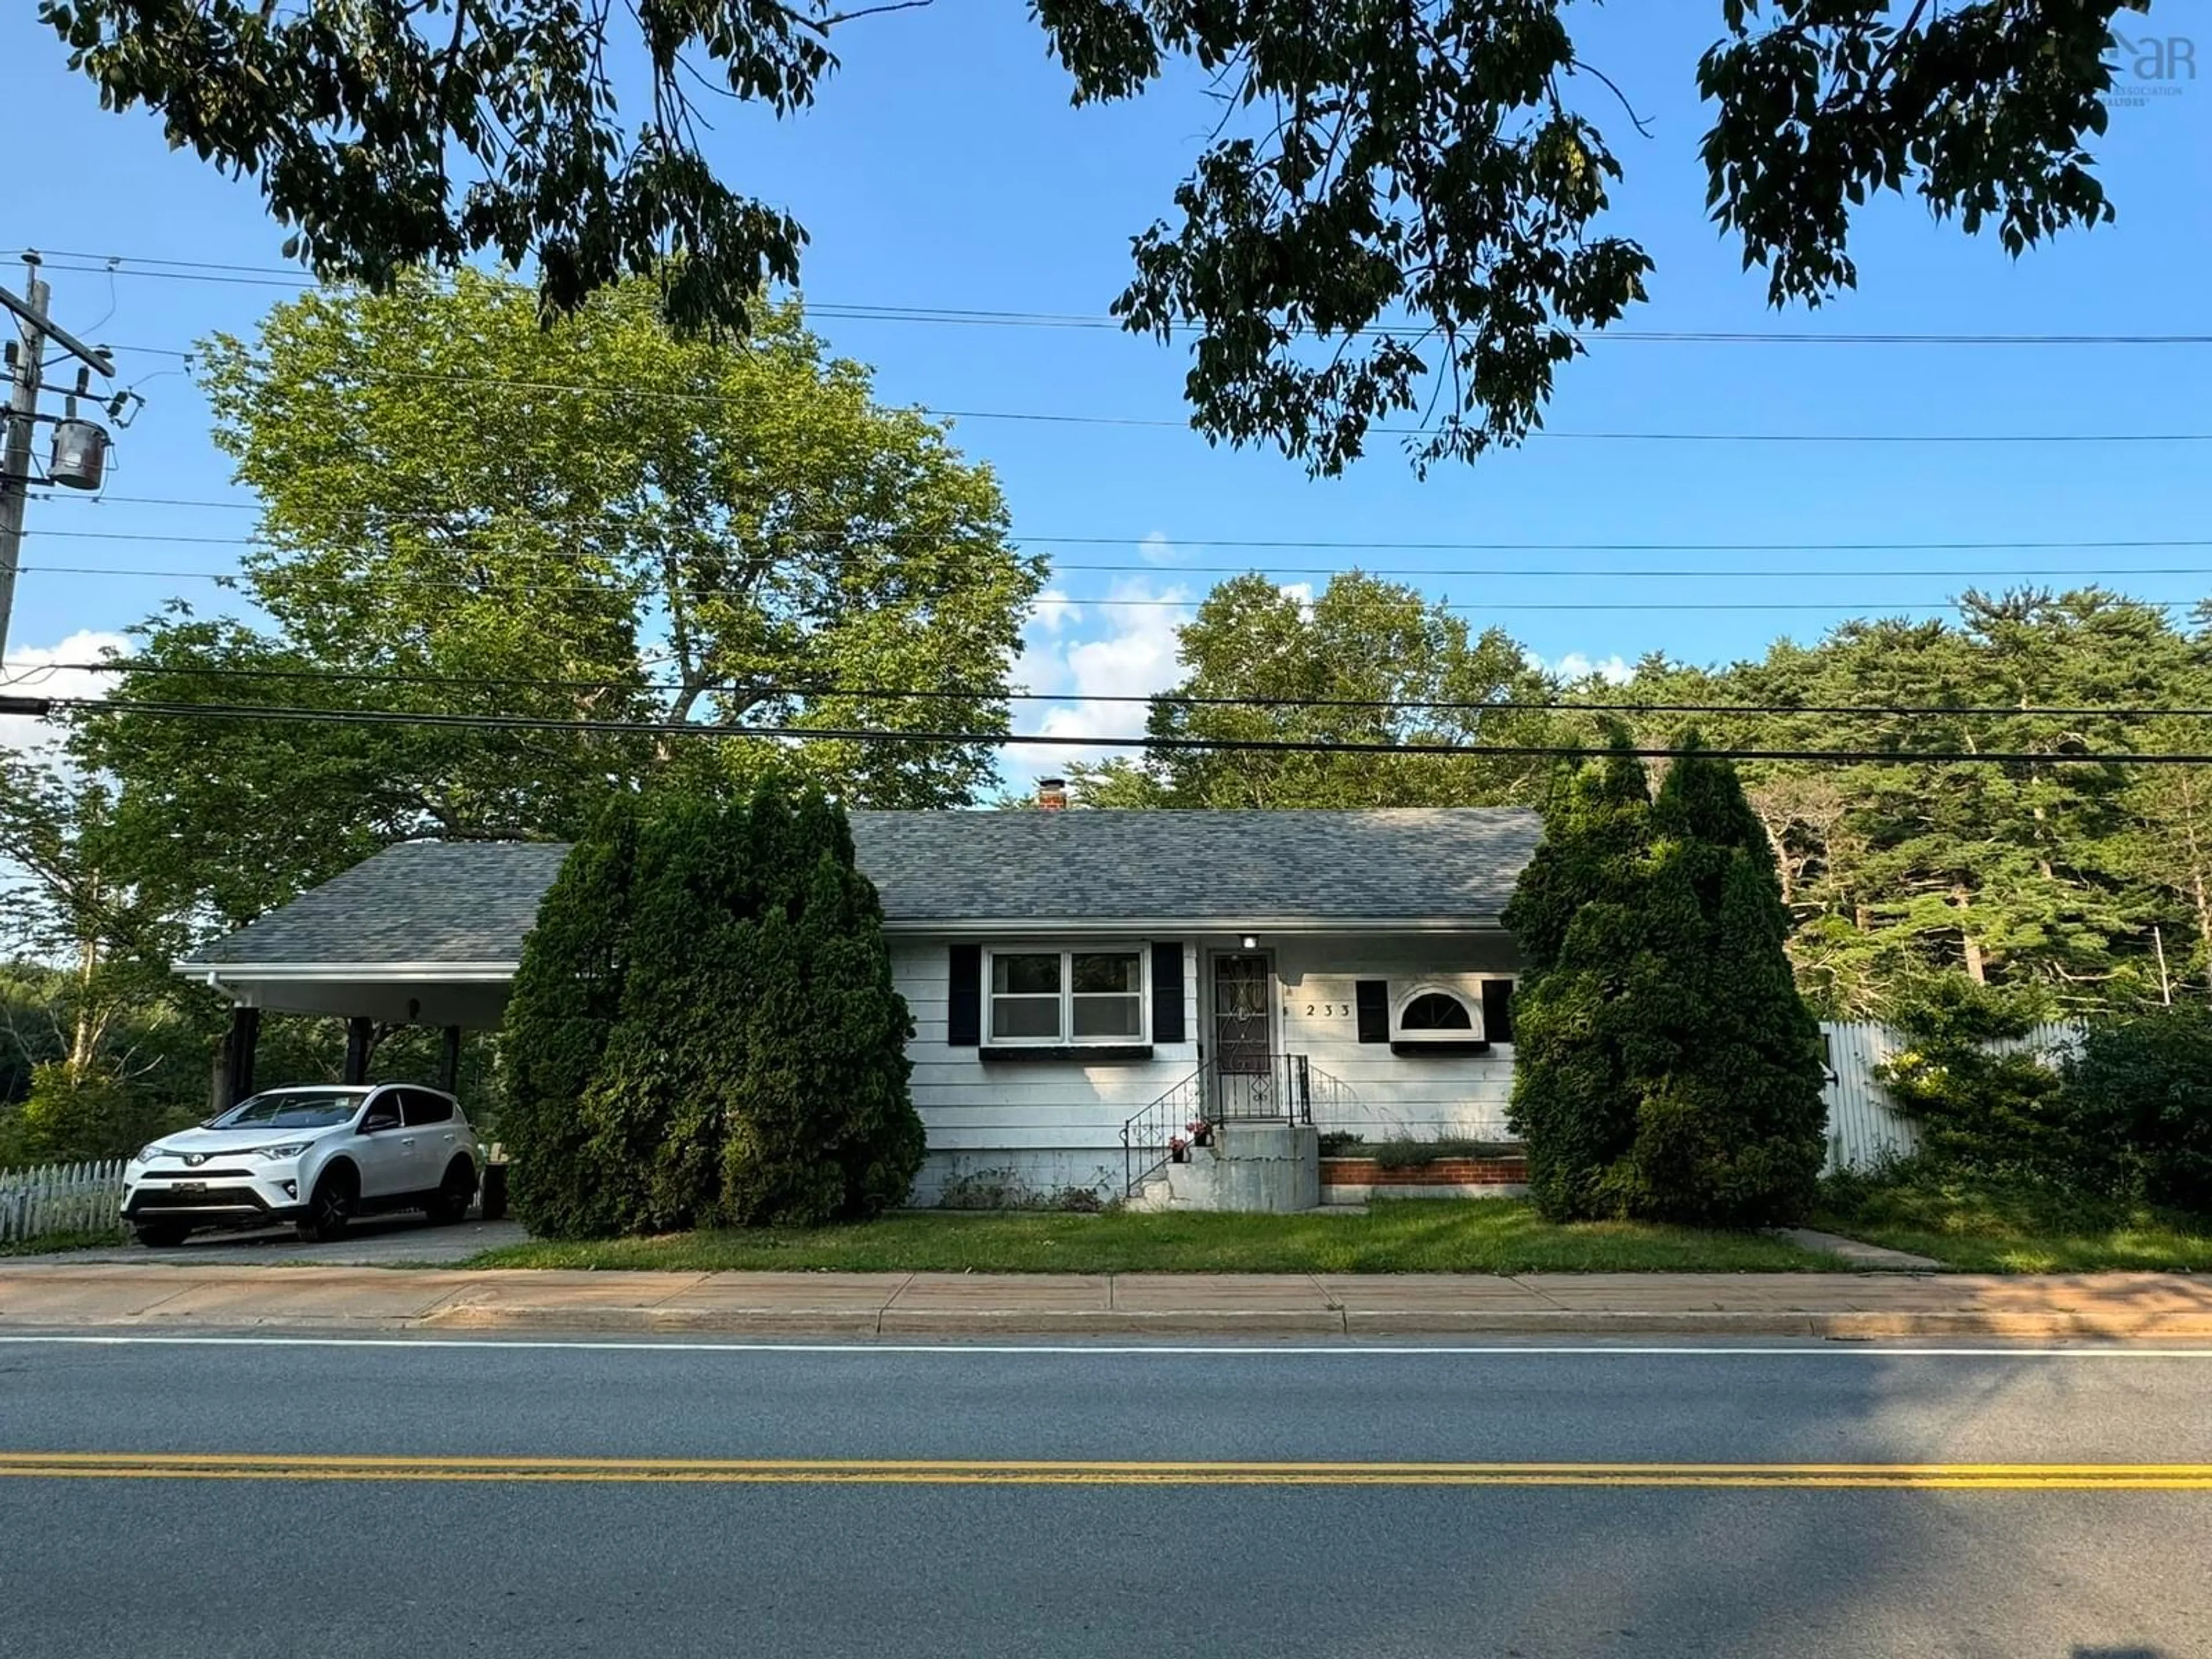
point(1864, 1126)
point(60, 1197)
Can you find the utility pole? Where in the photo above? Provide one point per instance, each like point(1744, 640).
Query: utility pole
point(85, 443)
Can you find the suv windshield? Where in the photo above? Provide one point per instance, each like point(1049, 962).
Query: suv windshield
point(321, 1108)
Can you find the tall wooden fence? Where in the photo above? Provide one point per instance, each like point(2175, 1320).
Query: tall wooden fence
point(1864, 1126)
point(60, 1197)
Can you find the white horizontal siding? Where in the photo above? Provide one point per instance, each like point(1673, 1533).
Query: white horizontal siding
point(975, 1108)
point(1397, 1094)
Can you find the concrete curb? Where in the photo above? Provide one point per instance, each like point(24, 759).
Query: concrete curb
point(1273, 1322)
point(950, 1324)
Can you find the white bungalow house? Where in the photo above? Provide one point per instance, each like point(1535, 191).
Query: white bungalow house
point(1083, 984)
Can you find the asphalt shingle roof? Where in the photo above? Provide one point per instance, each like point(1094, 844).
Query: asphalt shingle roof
point(472, 902)
point(1403, 862)
point(424, 901)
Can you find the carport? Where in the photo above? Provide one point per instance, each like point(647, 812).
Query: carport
point(423, 933)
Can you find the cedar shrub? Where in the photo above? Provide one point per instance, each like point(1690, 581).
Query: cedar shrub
point(726, 1046)
point(1668, 1069)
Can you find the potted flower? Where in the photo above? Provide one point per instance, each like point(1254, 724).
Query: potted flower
point(1201, 1132)
point(1178, 1150)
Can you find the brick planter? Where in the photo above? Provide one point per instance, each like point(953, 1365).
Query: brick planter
point(1448, 1178)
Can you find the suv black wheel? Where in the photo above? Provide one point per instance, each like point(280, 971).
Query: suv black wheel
point(331, 1206)
point(454, 1194)
point(161, 1235)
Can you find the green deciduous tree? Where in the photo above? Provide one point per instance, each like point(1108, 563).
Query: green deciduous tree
point(704, 1030)
point(757, 541)
point(1361, 649)
point(1440, 164)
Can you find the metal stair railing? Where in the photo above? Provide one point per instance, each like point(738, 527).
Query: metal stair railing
point(1270, 1088)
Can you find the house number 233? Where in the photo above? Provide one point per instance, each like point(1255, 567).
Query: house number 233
point(1329, 1009)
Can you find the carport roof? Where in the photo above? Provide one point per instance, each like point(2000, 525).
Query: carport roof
point(466, 905)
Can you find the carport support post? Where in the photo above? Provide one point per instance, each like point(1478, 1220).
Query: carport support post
point(359, 1032)
point(234, 1068)
point(449, 1060)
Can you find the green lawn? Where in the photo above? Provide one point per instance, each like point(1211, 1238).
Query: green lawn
point(1477, 1236)
point(53, 1243)
point(1985, 1228)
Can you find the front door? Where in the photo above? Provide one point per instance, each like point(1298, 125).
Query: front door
point(1243, 1007)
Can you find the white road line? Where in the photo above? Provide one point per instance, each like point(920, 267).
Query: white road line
point(1815, 1348)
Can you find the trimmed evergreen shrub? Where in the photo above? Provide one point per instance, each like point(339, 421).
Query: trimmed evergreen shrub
point(745, 1060)
point(1733, 1130)
point(2144, 1084)
point(1666, 1066)
point(1574, 918)
point(563, 1010)
point(1984, 1104)
point(826, 1128)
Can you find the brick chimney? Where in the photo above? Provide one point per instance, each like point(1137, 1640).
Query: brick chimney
point(1052, 794)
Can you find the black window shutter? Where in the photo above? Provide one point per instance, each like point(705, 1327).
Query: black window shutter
point(1167, 991)
point(1372, 997)
point(963, 998)
point(1498, 1009)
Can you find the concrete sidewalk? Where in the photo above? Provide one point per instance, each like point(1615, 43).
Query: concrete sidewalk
point(160, 1297)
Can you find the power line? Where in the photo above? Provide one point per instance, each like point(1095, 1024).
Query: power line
point(1148, 567)
point(1055, 418)
point(279, 276)
point(831, 689)
point(1887, 607)
point(584, 521)
point(1051, 417)
point(1001, 739)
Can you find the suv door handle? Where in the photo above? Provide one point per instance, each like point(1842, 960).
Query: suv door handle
point(407, 1140)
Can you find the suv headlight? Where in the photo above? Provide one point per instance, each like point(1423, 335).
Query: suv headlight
point(148, 1153)
point(278, 1154)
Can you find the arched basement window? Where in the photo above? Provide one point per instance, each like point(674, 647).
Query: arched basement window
point(1433, 1023)
point(1434, 1011)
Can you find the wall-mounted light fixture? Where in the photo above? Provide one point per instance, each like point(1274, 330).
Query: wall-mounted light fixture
point(1250, 943)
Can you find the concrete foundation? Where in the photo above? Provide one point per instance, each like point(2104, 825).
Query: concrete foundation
point(1271, 1168)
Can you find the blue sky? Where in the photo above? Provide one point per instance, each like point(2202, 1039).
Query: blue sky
point(944, 166)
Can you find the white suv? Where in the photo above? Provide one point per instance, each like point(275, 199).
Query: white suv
point(316, 1156)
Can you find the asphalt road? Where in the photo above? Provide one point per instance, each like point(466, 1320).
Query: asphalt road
point(375, 1241)
point(850, 1550)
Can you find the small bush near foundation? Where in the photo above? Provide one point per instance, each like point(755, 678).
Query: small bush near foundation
point(1419, 1154)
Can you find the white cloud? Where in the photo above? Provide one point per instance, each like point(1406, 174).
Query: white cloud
point(1157, 549)
point(30, 671)
point(1131, 653)
point(1302, 592)
point(1615, 670)
point(1054, 611)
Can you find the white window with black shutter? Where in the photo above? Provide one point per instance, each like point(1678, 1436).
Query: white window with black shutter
point(1085, 1002)
point(1427, 1020)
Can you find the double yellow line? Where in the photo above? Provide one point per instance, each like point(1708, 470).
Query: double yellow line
point(808, 1471)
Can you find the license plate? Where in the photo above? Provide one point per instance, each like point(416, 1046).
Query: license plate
point(188, 1187)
